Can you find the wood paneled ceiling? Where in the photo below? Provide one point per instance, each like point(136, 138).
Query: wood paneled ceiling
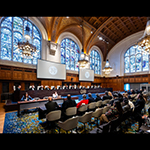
point(112, 29)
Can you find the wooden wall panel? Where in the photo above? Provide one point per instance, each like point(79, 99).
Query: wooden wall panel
point(13, 74)
point(29, 76)
point(5, 74)
point(17, 75)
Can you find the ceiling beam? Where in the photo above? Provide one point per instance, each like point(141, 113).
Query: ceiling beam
point(97, 32)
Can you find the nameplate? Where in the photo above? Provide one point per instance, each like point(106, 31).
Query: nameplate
point(83, 91)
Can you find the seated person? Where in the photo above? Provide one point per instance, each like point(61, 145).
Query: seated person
point(126, 106)
point(115, 96)
point(51, 106)
point(41, 88)
point(55, 95)
point(32, 87)
point(120, 97)
point(139, 104)
point(112, 113)
point(106, 96)
point(68, 103)
point(84, 101)
point(26, 97)
point(47, 87)
point(91, 99)
point(97, 97)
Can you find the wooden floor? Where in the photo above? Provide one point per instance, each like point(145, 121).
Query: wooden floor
point(2, 116)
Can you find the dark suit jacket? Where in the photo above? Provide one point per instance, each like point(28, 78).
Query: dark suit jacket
point(41, 88)
point(106, 97)
point(91, 99)
point(68, 103)
point(51, 106)
point(97, 98)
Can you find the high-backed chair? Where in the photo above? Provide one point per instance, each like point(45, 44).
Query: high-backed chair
point(97, 113)
point(71, 111)
point(105, 102)
point(69, 124)
point(53, 116)
point(105, 128)
point(98, 103)
point(92, 106)
point(82, 109)
point(86, 118)
point(105, 109)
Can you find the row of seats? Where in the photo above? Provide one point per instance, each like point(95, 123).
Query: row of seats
point(71, 123)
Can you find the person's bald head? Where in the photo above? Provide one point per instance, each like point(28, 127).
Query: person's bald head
point(50, 98)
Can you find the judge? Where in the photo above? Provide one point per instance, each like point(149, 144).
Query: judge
point(32, 88)
point(41, 88)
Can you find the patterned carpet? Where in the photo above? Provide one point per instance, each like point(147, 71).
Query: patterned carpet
point(29, 123)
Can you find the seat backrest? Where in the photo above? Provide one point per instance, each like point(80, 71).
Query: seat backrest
point(82, 108)
point(86, 117)
point(105, 109)
point(92, 105)
point(104, 102)
point(97, 112)
point(53, 115)
point(71, 111)
point(70, 123)
point(98, 103)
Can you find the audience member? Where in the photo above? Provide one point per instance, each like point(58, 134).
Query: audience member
point(112, 113)
point(115, 96)
point(68, 103)
point(91, 99)
point(139, 105)
point(83, 102)
point(120, 97)
point(51, 105)
point(106, 96)
point(144, 92)
point(126, 106)
point(110, 94)
point(97, 97)
point(26, 97)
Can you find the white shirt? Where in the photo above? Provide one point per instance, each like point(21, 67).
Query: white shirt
point(55, 95)
point(131, 104)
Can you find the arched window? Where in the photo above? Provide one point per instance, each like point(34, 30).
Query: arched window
point(69, 54)
point(11, 31)
point(95, 62)
point(135, 60)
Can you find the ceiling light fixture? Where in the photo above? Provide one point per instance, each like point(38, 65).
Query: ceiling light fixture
point(144, 41)
point(83, 60)
point(107, 68)
point(26, 48)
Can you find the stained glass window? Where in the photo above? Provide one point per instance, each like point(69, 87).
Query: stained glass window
point(12, 31)
point(135, 60)
point(69, 54)
point(95, 62)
